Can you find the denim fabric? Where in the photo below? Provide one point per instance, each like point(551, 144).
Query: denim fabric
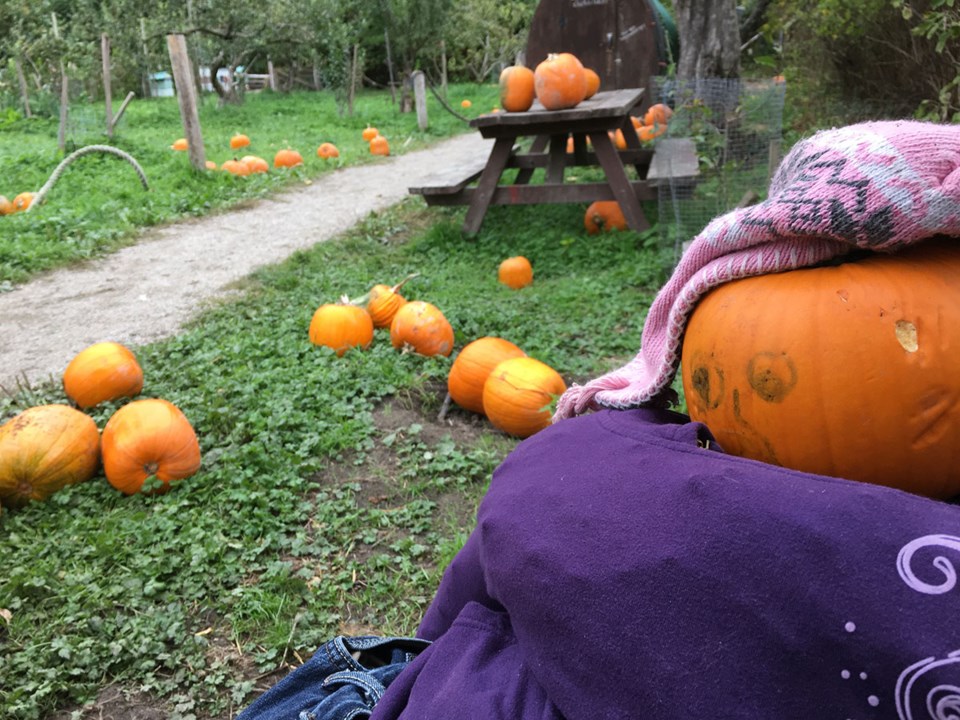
point(343, 680)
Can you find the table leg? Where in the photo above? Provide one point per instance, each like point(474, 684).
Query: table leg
point(633, 143)
point(538, 146)
point(618, 181)
point(488, 183)
point(558, 159)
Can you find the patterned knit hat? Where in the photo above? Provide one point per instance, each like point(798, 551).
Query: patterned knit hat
point(880, 186)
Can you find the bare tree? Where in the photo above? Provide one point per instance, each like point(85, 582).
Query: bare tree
point(709, 38)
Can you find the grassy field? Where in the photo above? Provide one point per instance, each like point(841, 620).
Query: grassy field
point(331, 495)
point(98, 204)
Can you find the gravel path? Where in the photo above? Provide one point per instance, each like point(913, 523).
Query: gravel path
point(147, 291)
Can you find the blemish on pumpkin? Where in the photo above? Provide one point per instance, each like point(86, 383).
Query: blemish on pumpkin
point(772, 375)
point(906, 333)
point(710, 395)
point(844, 295)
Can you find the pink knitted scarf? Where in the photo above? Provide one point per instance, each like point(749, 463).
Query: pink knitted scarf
point(880, 186)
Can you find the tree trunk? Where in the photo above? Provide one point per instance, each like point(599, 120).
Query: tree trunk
point(709, 39)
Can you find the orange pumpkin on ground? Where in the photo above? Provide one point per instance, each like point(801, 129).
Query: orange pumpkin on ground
point(604, 215)
point(383, 302)
point(287, 158)
point(44, 449)
point(657, 114)
point(593, 83)
point(518, 394)
point(341, 326)
point(848, 370)
point(327, 151)
point(239, 141)
point(516, 88)
point(560, 81)
point(236, 167)
point(102, 372)
point(148, 438)
point(473, 366)
point(22, 201)
point(423, 327)
point(256, 164)
point(369, 133)
point(210, 165)
point(379, 146)
point(466, 104)
point(6, 207)
point(515, 272)
point(180, 144)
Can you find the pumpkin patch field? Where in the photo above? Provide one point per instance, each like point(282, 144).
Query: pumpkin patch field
point(99, 203)
point(334, 487)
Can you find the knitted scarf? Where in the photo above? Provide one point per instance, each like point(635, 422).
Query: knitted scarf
point(879, 186)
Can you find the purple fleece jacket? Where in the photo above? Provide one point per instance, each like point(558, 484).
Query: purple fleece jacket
point(620, 570)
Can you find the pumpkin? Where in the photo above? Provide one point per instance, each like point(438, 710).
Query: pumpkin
point(516, 89)
point(618, 138)
point(422, 327)
point(637, 122)
point(560, 81)
point(383, 302)
point(518, 394)
point(604, 215)
point(515, 272)
point(647, 133)
point(849, 370)
point(593, 83)
point(180, 144)
point(465, 104)
point(473, 366)
point(210, 165)
point(44, 449)
point(102, 372)
point(6, 207)
point(341, 326)
point(256, 164)
point(657, 114)
point(148, 438)
point(287, 158)
point(239, 141)
point(369, 133)
point(327, 151)
point(236, 167)
point(22, 201)
point(379, 146)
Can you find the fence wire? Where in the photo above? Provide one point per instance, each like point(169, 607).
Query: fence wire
point(736, 126)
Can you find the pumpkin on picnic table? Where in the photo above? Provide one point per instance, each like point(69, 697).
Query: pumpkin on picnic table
point(849, 370)
point(560, 81)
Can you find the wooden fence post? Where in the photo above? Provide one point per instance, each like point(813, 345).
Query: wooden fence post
point(187, 98)
point(107, 88)
point(64, 94)
point(23, 88)
point(420, 98)
point(273, 75)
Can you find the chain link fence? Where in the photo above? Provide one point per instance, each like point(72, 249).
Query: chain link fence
point(736, 126)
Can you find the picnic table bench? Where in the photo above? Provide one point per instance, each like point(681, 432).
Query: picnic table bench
point(671, 159)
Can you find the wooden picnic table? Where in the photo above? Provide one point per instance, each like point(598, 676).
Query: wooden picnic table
point(592, 120)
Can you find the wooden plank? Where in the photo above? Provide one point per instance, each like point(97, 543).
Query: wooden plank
point(187, 99)
point(451, 181)
point(543, 194)
point(619, 183)
point(611, 104)
point(488, 183)
point(557, 159)
point(674, 158)
point(536, 148)
point(107, 86)
point(531, 161)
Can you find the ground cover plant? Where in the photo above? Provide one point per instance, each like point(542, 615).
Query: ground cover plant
point(98, 204)
point(331, 495)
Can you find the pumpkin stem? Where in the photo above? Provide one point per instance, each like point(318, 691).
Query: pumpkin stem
point(403, 282)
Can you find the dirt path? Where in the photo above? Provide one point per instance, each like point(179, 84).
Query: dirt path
point(147, 291)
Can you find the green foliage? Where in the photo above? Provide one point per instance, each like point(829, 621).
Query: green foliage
point(484, 35)
point(98, 204)
point(938, 21)
point(329, 495)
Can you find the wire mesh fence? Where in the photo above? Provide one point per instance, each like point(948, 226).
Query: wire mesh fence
point(736, 126)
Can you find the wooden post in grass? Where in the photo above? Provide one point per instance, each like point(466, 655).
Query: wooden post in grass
point(64, 94)
point(273, 76)
point(107, 89)
point(187, 99)
point(23, 88)
point(420, 97)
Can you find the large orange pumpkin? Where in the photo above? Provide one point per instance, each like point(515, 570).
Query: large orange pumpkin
point(341, 326)
point(473, 366)
point(148, 438)
point(850, 370)
point(44, 449)
point(101, 372)
point(604, 215)
point(515, 272)
point(287, 158)
point(560, 81)
point(518, 394)
point(423, 327)
point(516, 88)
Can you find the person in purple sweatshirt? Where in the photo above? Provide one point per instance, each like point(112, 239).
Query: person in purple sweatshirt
point(624, 566)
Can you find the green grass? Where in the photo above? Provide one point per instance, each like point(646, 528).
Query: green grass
point(98, 204)
point(330, 496)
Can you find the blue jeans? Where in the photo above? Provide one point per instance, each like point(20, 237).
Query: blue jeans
point(343, 680)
